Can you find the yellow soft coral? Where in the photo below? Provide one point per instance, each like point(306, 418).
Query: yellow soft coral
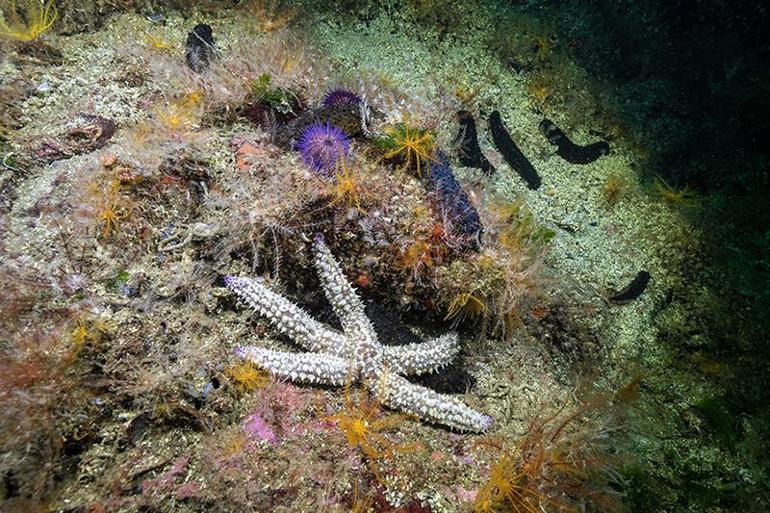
point(412, 145)
point(247, 376)
point(467, 305)
point(26, 20)
point(112, 207)
point(363, 425)
point(347, 188)
point(684, 197)
point(85, 330)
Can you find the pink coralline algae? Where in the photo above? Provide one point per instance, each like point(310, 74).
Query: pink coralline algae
point(90, 133)
point(256, 428)
point(167, 480)
point(189, 490)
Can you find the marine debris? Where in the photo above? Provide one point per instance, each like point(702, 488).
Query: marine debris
point(568, 150)
point(511, 152)
point(633, 290)
point(355, 354)
point(200, 50)
point(468, 150)
point(452, 199)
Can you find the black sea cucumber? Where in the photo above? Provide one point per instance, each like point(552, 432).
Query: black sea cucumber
point(454, 201)
point(200, 48)
point(633, 290)
point(468, 150)
point(511, 152)
point(569, 151)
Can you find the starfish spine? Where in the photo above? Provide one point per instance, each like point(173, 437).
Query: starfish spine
point(355, 354)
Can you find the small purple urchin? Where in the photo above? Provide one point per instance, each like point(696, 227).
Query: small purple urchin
point(323, 147)
point(340, 97)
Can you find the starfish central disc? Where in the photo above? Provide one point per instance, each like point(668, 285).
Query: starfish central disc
point(355, 354)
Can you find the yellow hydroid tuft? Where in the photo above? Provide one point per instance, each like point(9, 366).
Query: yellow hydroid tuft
point(26, 20)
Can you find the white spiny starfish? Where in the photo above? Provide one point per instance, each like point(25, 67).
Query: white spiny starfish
point(355, 354)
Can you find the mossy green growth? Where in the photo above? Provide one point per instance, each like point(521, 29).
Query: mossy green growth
point(412, 145)
point(523, 41)
point(522, 232)
point(120, 280)
point(279, 98)
point(716, 412)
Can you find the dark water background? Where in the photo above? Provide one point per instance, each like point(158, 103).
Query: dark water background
point(690, 79)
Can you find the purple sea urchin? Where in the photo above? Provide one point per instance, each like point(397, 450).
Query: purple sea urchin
point(339, 97)
point(322, 147)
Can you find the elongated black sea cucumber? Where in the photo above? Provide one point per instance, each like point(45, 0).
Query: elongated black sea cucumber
point(511, 152)
point(633, 290)
point(569, 151)
point(468, 150)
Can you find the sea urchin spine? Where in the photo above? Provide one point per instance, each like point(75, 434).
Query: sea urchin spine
point(339, 97)
point(323, 147)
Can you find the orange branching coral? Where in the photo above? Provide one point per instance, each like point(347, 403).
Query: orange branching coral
point(363, 426)
point(347, 188)
point(558, 466)
point(684, 197)
point(247, 376)
point(26, 20)
point(424, 252)
point(35, 387)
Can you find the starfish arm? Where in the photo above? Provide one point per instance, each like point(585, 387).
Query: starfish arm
point(287, 317)
point(421, 357)
point(345, 302)
point(324, 369)
point(398, 393)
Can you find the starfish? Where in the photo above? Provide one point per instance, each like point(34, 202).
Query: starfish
point(355, 354)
